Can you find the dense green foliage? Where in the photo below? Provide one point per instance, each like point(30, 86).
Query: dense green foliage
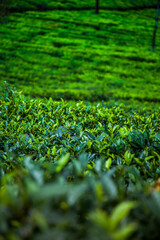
point(72, 169)
point(80, 55)
point(23, 5)
point(77, 171)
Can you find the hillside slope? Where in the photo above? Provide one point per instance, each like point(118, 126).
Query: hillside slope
point(80, 55)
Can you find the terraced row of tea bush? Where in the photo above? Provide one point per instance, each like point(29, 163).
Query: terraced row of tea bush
point(78, 171)
point(80, 55)
point(23, 5)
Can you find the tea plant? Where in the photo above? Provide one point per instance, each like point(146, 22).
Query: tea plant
point(78, 171)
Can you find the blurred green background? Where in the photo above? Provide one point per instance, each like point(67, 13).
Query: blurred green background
point(62, 49)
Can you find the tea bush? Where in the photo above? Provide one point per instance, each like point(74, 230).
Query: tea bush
point(78, 171)
point(23, 5)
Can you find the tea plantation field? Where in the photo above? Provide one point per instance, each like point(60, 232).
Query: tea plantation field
point(79, 121)
point(80, 55)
